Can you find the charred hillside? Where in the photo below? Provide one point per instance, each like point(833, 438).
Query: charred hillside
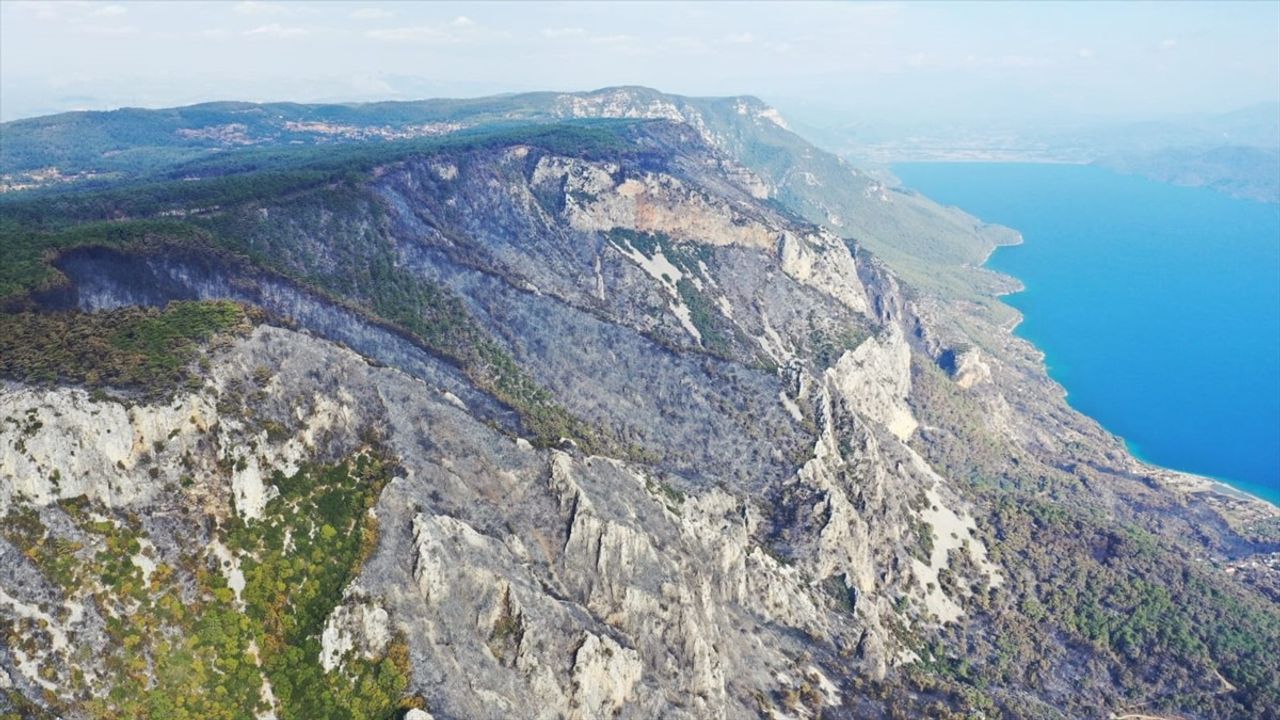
point(611, 404)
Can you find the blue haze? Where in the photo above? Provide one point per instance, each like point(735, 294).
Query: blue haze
point(1157, 307)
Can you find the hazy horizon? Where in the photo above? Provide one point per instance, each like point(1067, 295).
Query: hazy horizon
point(906, 63)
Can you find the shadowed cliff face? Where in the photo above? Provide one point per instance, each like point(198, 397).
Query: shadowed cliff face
point(793, 485)
point(104, 279)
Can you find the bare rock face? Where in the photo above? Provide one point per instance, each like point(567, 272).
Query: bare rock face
point(604, 675)
point(875, 378)
point(662, 204)
point(357, 621)
point(60, 443)
point(651, 203)
point(824, 263)
point(967, 367)
point(643, 103)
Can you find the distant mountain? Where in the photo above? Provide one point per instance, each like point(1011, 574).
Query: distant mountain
point(1241, 171)
point(1237, 153)
point(613, 404)
point(1231, 152)
point(1255, 126)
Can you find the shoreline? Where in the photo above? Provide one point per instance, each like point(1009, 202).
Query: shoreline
point(890, 157)
point(1195, 482)
point(1173, 478)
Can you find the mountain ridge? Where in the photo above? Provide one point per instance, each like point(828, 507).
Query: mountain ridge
point(648, 434)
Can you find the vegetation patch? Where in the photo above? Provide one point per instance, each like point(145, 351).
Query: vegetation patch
point(1171, 637)
point(297, 559)
point(685, 256)
point(196, 180)
point(507, 632)
point(181, 644)
point(1122, 603)
point(439, 318)
point(717, 331)
point(828, 345)
point(673, 498)
point(147, 349)
point(29, 247)
point(705, 318)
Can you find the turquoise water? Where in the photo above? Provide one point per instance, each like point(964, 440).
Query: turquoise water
point(1157, 307)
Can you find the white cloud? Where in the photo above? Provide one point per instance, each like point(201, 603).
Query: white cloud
point(425, 33)
point(611, 39)
point(920, 59)
point(106, 30)
point(743, 38)
point(276, 30)
point(1085, 53)
point(563, 32)
point(1018, 61)
point(1168, 43)
point(371, 13)
point(41, 9)
point(459, 30)
point(686, 44)
point(255, 8)
point(75, 12)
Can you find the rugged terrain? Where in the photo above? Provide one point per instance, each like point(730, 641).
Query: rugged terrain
point(611, 404)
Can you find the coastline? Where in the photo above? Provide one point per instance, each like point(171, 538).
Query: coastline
point(1193, 482)
point(1172, 478)
point(1250, 515)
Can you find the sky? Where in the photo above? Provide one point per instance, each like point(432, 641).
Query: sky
point(878, 61)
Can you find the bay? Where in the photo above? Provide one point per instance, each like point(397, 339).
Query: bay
point(1157, 306)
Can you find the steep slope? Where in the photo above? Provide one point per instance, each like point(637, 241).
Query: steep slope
point(933, 248)
point(580, 423)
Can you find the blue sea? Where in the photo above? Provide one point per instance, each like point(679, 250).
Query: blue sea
point(1157, 306)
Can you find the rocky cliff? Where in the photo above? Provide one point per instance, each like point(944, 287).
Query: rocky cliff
point(623, 424)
